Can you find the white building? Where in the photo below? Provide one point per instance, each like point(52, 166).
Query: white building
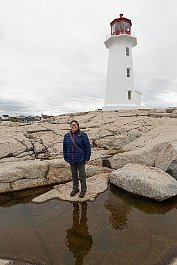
point(120, 92)
point(5, 117)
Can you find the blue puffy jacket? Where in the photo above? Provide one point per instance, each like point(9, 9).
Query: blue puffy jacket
point(71, 153)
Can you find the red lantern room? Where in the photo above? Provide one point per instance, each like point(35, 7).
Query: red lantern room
point(121, 25)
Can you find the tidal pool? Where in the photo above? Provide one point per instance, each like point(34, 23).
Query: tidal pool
point(117, 228)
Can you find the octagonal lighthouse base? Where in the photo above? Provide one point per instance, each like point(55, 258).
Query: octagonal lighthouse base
point(119, 107)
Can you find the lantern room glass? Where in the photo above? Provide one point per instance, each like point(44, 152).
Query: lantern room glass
point(120, 28)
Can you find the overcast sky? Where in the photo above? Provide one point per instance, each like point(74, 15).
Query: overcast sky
point(53, 58)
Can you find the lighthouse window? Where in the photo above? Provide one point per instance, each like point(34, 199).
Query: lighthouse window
point(129, 95)
point(128, 72)
point(127, 51)
point(118, 26)
point(126, 26)
point(113, 28)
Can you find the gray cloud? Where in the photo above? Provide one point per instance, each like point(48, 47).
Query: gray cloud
point(16, 106)
point(53, 58)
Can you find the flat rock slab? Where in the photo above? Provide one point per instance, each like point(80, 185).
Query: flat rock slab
point(95, 185)
point(146, 181)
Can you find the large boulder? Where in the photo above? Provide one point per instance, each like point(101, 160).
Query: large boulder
point(144, 156)
point(159, 155)
point(31, 169)
point(33, 173)
point(22, 175)
point(146, 181)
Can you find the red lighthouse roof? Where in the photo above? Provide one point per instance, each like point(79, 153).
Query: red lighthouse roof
point(121, 25)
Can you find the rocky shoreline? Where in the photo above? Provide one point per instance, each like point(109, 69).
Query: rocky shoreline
point(31, 154)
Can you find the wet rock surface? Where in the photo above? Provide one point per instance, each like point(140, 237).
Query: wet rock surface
point(95, 185)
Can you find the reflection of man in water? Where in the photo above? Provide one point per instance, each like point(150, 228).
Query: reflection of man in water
point(78, 239)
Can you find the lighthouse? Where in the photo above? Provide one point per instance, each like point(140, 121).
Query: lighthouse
point(120, 92)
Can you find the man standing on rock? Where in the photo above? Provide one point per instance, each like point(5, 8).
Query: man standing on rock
point(77, 151)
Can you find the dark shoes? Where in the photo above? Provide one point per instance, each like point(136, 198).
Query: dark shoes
point(73, 192)
point(82, 194)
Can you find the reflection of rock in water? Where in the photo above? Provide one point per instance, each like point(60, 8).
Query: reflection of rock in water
point(14, 262)
point(24, 196)
point(119, 210)
point(143, 204)
point(78, 239)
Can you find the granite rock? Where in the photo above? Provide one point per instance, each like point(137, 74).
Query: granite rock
point(172, 169)
point(95, 185)
point(167, 154)
point(145, 181)
point(117, 138)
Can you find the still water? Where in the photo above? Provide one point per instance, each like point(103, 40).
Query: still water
point(117, 228)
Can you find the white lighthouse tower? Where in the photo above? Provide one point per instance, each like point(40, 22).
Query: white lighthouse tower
point(120, 92)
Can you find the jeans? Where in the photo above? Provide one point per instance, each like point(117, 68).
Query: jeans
point(75, 168)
